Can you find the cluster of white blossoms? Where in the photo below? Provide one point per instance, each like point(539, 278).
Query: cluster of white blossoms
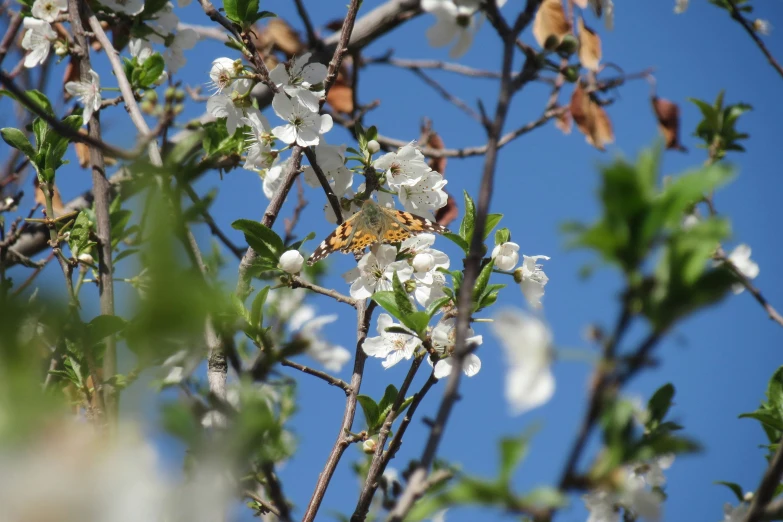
point(639, 493)
point(530, 276)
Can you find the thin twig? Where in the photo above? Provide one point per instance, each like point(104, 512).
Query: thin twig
point(298, 282)
point(266, 506)
point(275, 490)
point(10, 33)
point(334, 381)
point(312, 38)
point(210, 222)
point(737, 15)
point(58, 126)
point(363, 317)
point(103, 197)
point(330, 196)
point(301, 203)
point(768, 486)
point(457, 68)
point(445, 94)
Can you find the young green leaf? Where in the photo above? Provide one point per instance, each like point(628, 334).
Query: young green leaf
point(458, 240)
point(386, 300)
point(492, 222)
point(734, 487)
point(660, 402)
point(257, 308)
point(104, 326)
point(502, 235)
point(401, 298)
point(17, 139)
point(482, 280)
point(370, 409)
point(263, 240)
point(466, 227)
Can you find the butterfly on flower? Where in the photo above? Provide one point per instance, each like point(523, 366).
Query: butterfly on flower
point(373, 224)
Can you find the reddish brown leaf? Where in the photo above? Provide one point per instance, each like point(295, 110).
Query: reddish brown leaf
point(340, 96)
point(277, 34)
point(82, 151)
point(71, 74)
point(434, 141)
point(589, 47)
point(591, 119)
point(550, 24)
point(668, 114)
point(447, 214)
point(564, 122)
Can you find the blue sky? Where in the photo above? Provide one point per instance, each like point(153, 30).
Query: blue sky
point(719, 360)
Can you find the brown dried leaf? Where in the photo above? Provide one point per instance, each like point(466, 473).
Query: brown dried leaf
point(550, 24)
point(447, 214)
point(668, 114)
point(434, 141)
point(591, 119)
point(564, 122)
point(82, 151)
point(340, 96)
point(589, 47)
point(279, 35)
point(71, 74)
point(57, 201)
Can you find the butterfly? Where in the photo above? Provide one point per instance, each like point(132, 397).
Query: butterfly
point(373, 224)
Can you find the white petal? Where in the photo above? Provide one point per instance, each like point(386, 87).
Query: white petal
point(326, 124)
point(283, 107)
point(471, 365)
point(376, 347)
point(285, 133)
point(463, 43)
point(442, 368)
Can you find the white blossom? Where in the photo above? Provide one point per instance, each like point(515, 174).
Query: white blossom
point(226, 77)
point(601, 505)
point(259, 153)
point(651, 473)
point(180, 365)
point(183, 41)
point(444, 337)
point(37, 39)
point(426, 260)
point(298, 77)
point(763, 27)
point(48, 10)
point(273, 177)
point(140, 49)
point(425, 195)
point(526, 341)
point(164, 24)
point(129, 7)
point(506, 256)
point(740, 258)
point(425, 294)
point(373, 146)
point(331, 159)
point(375, 272)
point(454, 21)
point(404, 167)
point(304, 126)
point(89, 93)
point(532, 279)
point(308, 327)
point(291, 261)
point(392, 347)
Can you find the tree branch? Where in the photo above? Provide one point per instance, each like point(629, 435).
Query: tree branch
point(10, 33)
point(298, 282)
point(737, 15)
point(767, 487)
point(334, 381)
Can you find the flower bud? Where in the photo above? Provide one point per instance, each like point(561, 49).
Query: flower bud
point(762, 27)
point(373, 146)
point(291, 262)
point(519, 275)
point(423, 262)
point(60, 48)
point(409, 285)
point(506, 256)
point(748, 496)
point(369, 445)
point(86, 258)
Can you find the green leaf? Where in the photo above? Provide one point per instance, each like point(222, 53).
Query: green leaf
point(466, 226)
point(458, 240)
point(261, 15)
point(125, 253)
point(262, 239)
point(482, 280)
point(386, 300)
point(417, 321)
point(775, 391)
point(768, 418)
point(257, 308)
point(298, 244)
point(512, 451)
point(660, 402)
point(401, 298)
point(17, 139)
point(502, 235)
point(389, 396)
point(734, 487)
point(492, 222)
point(104, 326)
point(370, 409)
point(546, 497)
point(436, 305)
point(151, 70)
point(231, 9)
